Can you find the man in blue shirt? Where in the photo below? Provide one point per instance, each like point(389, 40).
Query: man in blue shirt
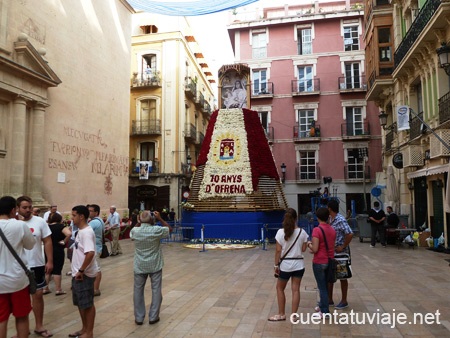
point(113, 223)
point(96, 223)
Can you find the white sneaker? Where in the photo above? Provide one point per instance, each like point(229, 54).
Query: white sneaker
point(317, 309)
point(372, 246)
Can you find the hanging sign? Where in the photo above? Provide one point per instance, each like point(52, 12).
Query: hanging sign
point(397, 161)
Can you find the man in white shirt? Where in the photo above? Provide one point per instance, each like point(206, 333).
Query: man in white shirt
point(113, 223)
point(84, 271)
point(14, 292)
point(36, 260)
point(52, 210)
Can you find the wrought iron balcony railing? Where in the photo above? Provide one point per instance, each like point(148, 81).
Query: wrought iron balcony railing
point(311, 86)
point(444, 108)
point(303, 134)
point(191, 89)
point(154, 169)
point(270, 134)
point(262, 89)
point(389, 140)
point(415, 127)
point(146, 127)
point(352, 83)
point(146, 80)
point(190, 132)
point(424, 16)
point(200, 137)
point(355, 129)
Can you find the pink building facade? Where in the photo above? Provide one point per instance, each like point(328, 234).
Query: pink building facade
point(308, 85)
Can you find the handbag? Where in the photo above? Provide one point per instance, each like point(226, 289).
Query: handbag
point(343, 269)
point(28, 272)
point(332, 263)
point(277, 273)
point(105, 252)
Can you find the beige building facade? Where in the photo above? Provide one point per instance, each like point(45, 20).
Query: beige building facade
point(171, 102)
point(64, 101)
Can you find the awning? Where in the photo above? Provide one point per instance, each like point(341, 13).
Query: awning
point(429, 171)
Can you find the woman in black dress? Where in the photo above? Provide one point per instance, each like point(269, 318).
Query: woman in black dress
point(60, 237)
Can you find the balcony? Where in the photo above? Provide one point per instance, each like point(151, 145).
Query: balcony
point(200, 101)
point(190, 133)
point(207, 109)
point(305, 87)
point(310, 135)
point(190, 89)
point(355, 173)
point(146, 127)
point(444, 108)
point(355, 131)
point(389, 140)
point(425, 15)
point(352, 84)
point(200, 138)
point(307, 175)
point(270, 134)
point(415, 127)
point(262, 90)
point(154, 169)
point(146, 80)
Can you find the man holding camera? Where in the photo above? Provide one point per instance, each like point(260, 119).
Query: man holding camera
point(148, 262)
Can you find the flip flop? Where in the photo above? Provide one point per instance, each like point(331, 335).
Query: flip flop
point(59, 293)
point(43, 333)
point(46, 292)
point(75, 334)
point(277, 318)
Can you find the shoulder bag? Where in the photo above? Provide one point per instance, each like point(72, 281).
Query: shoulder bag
point(277, 274)
point(332, 263)
point(28, 272)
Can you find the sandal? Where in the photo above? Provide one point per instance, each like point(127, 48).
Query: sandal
point(43, 333)
point(59, 293)
point(75, 334)
point(277, 318)
point(46, 292)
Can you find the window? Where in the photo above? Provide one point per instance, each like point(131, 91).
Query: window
point(354, 121)
point(260, 82)
point(259, 45)
point(351, 38)
point(384, 44)
point(305, 79)
point(264, 118)
point(305, 122)
point(304, 38)
point(147, 151)
point(307, 169)
point(352, 76)
point(355, 160)
point(148, 66)
point(149, 29)
point(147, 116)
point(419, 98)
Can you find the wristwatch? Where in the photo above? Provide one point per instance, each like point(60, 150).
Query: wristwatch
point(81, 271)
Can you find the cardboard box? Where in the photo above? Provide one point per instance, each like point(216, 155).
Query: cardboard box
point(422, 241)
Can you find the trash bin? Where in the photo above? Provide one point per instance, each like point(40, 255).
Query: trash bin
point(364, 229)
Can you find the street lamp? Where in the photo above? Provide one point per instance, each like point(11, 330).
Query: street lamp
point(443, 53)
point(383, 122)
point(283, 172)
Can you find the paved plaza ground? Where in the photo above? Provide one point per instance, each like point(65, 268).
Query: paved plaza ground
point(231, 293)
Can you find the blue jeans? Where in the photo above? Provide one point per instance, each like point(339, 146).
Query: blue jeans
point(321, 279)
point(139, 299)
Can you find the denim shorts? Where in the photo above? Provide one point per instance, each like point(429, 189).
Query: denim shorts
point(286, 275)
